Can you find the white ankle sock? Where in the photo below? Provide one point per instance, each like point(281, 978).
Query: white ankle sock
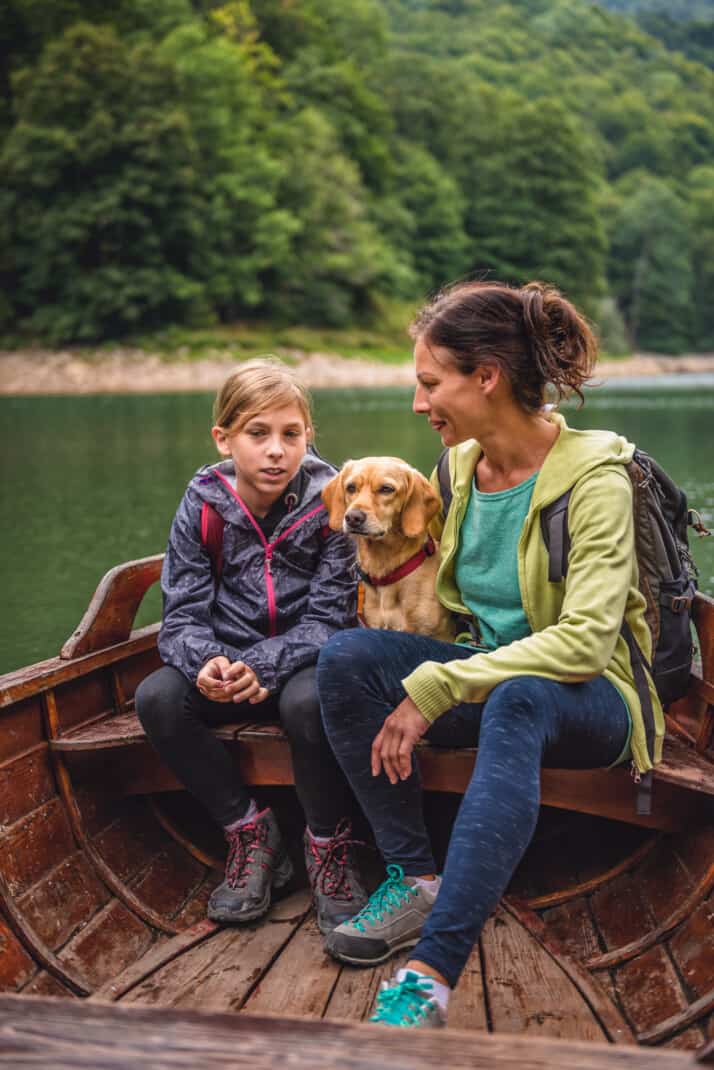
point(431, 886)
point(439, 992)
point(250, 815)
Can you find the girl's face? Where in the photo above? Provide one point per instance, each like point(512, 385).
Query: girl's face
point(453, 403)
point(267, 451)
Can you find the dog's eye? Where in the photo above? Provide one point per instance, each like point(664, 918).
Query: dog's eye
point(386, 489)
point(351, 488)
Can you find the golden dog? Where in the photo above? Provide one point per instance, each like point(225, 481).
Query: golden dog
point(387, 506)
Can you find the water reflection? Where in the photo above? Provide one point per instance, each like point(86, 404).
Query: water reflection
point(89, 482)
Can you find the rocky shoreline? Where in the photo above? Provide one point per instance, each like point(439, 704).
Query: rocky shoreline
point(130, 371)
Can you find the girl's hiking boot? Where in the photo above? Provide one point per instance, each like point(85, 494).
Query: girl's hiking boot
point(391, 920)
point(257, 861)
point(332, 872)
point(408, 1003)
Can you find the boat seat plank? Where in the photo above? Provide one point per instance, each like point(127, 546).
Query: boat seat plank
point(681, 764)
point(65, 1034)
point(264, 757)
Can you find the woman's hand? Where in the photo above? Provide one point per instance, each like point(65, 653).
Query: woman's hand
point(210, 680)
point(242, 685)
point(393, 746)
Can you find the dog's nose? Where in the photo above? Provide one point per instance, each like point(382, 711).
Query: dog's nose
point(355, 518)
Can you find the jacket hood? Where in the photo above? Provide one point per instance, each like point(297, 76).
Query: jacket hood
point(306, 485)
point(573, 454)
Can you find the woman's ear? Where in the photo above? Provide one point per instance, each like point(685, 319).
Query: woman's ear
point(421, 506)
point(333, 495)
point(221, 439)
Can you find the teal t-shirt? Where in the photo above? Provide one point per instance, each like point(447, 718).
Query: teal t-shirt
point(486, 566)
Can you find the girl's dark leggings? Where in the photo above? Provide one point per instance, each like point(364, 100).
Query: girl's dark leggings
point(526, 722)
point(176, 718)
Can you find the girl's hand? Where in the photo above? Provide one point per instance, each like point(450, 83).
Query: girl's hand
point(393, 746)
point(210, 680)
point(242, 685)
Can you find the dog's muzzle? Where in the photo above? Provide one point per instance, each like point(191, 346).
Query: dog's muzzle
point(357, 522)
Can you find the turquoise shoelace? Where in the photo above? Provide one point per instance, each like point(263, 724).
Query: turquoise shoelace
point(405, 1002)
point(390, 895)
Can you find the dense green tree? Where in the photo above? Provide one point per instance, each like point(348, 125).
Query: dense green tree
point(132, 192)
point(336, 261)
point(184, 159)
point(701, 218)
point(651, 265)
point(424, 219)
point(532, 199)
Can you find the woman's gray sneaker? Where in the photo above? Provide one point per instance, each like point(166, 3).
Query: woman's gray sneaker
point(391, 920)
point(257, 861)
point(334, 880)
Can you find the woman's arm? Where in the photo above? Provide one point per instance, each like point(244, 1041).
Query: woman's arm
point(332, 605)
point(186, 639)
point(580, 644)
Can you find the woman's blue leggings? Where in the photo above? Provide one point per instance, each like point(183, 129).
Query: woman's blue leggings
point(525, 723)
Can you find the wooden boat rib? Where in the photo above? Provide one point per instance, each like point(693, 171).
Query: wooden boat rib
point(605, 934)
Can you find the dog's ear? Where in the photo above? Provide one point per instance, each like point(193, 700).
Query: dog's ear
point(421, 506)
point(333, 496)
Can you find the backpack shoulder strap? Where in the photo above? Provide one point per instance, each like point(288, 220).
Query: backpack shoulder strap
point(212, 526)
point(442, 472)
point(556, 536)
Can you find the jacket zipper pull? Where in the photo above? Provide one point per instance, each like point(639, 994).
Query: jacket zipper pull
point(269, 558)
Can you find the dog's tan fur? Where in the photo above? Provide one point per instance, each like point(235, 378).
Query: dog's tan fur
point(387, 506)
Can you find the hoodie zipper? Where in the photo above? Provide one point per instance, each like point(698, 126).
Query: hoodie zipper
point(268, 548)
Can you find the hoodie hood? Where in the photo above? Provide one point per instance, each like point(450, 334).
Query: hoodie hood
point(573, 454)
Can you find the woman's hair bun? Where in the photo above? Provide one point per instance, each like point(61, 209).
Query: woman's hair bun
point(533, 332)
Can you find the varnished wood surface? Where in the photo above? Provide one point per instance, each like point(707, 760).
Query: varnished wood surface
point(67, 1036)
point(113, 608)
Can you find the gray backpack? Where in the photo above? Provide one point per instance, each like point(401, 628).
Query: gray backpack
point(667, 579)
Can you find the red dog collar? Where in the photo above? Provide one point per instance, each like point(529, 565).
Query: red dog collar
point(427, 550)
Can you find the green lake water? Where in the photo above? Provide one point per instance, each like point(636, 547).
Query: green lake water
point(89, 482)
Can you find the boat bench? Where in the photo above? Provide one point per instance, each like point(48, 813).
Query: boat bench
point(263, 754)
point(684, 781)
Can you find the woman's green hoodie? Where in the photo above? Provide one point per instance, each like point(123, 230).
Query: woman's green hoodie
point(576, 623)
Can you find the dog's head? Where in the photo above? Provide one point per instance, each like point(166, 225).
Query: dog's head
point(379, 496)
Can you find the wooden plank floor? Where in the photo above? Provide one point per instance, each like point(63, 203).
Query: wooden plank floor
point(68, 1034)
point(279, 967)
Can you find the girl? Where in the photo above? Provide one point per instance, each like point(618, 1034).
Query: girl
point(548, 681)
point(240, 640)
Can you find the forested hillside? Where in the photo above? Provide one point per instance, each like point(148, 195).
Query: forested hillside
point(165, 161)
point(685, 26)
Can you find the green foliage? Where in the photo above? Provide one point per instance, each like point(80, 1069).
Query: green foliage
point(532, 199)
point(701, 229)
point(651, 265)
point(336, 259)
point(199, 161)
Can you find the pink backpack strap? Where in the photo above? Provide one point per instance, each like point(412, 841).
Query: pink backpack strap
point(212, 525)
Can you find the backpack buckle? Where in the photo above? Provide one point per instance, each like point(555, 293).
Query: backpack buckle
point(680, 602)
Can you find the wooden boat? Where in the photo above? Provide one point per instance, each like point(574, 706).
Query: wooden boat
point(605, 934)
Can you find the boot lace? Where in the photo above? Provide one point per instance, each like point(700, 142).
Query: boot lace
point(390, 895)
point(331, 872)
point(404, 1002)
point(242, 843)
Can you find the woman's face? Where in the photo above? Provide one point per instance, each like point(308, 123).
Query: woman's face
point(450, 400)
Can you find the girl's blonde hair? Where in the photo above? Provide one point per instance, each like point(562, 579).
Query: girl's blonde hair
point(257, 386)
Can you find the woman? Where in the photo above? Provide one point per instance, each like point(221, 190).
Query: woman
point(547, 681)
point(240, 640)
